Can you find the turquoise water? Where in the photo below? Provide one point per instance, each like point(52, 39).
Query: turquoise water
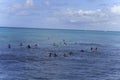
point(21, 63)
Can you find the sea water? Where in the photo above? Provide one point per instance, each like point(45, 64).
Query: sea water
point(21, 63)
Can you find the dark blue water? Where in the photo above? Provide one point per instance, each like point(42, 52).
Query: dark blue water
point(21, 63)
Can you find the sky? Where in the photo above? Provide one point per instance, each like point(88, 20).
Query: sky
point(61, 14)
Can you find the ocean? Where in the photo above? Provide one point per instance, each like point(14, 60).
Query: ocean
point(71, 55)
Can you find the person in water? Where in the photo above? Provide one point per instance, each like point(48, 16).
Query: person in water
point(55, 55)
point(63, 40)
point(96, 48)
point(36, 45)
point(65, 55)
point(91, 48)
point(28, 46)
point(70, 53)
point(55, 45)
point(65, 43)
point(21, 44)
point(9, 46)
point(50, 54)
point(82, 50)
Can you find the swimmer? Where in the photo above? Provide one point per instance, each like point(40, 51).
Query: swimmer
point(75, 43)
point(65, 43)
point(82, 50)
point(96, 48)
point(63, 40)
point(28, 46)
point(65, 55)
point(91, 48)
point(70, 53)
point(55, 55)
point(9, 46)
point(56, 45)
point(21, 44)
point(36, 45)
point(50, 54)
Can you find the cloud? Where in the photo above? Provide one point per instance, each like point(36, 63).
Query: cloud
point(115, 9)
point(53, 13)
point(18, 9)
point(29, 3)
point(81, 15)
point(88, 18)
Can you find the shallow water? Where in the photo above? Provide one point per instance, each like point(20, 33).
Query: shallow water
point(20, 63)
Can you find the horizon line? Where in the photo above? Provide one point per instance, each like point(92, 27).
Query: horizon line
point(57, 29)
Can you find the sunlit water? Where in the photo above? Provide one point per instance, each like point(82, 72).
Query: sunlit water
point(21, 63)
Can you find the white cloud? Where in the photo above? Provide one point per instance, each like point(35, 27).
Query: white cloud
point(88, 18)
point(89, 12)
point(73, 12)
point(115, 9)
point(18, 8)
point(29, 3)
point(81, 15)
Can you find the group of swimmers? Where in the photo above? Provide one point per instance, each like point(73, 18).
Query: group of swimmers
point(70, 53)
point(28, 46)
point(54, 54)
point(63, 41)
point(92, 49)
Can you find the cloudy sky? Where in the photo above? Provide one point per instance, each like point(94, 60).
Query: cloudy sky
point(65, 14)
